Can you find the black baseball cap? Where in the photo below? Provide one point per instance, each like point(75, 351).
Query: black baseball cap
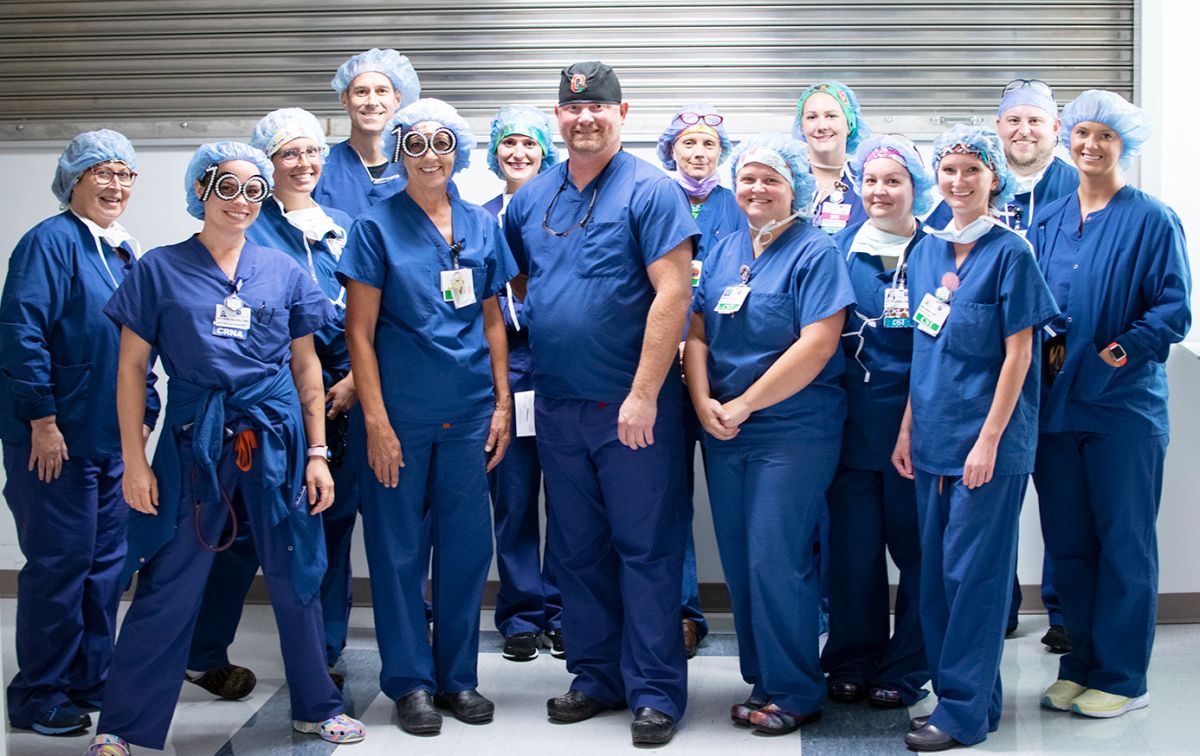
point(589, 81)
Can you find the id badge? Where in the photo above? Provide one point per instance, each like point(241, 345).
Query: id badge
point(231, 324)
point(834, 216)
point(458, 286)
point(732, 299)
point(931, 315)
point(697, 266)
point(895, 308)
point(523, 409)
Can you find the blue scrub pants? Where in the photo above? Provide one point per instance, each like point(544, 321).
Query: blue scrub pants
point(233, 572)
point(1099, 496)
point(528, 601)
point(968, 557)
point(871, 511)
point(72, 534)
point(692, 435)
point(152, 650)
point(618, 534)
point(444, 467)
point(767, 491)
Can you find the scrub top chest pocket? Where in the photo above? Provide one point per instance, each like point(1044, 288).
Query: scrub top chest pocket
point(768, 320)
point(604, 251)
point(973, 330)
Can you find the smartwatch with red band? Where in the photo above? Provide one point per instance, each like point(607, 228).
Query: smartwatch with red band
point(1117, 352)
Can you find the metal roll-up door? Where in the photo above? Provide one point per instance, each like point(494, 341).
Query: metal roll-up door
point(212, 67)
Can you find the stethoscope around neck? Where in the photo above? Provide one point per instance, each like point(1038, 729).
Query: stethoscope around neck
point(899, 278)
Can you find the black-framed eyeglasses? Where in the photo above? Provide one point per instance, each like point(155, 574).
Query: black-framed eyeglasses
point(105, 176)
point(227, 186)
point(291, 156)
point(708, 119)
point(550, 208)
point(415, 144)
point(1036, 85)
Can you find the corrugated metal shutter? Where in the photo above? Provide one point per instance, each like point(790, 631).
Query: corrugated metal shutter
point(217, 65)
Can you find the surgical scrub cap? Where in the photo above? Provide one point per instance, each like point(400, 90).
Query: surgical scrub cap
point(430, 109)
point(779, 151)
point(215, 153)
point(387, 62)
point(1029, 92)
point(666, 142)
point(85, 150)
point(903, 151)
point(859, 130)
point(279, 127)
point(526, 121)
point(984, 144)
point(1114, 111)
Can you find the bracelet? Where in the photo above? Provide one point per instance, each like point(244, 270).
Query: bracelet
point(319, 451)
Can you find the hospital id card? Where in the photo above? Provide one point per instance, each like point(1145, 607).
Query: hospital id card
point(697, 267)
point(732, 299)
point(895, 308)
point(523, 409)
point(931, 315)
point(458, 286)
point(834, 216)
point(231, 324)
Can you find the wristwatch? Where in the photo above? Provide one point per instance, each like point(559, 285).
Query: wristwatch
point(319, 451)
point(1117, 352)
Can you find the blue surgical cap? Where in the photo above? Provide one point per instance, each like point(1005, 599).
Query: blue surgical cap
point(859, 130)
point(85, 150)
point(279, 127)
point(526, 121)
point(430, 109)
point(387, 62)
point(891, 146)
point(1032, 92)
point(666, 142)
point(1114, 111)
point(793, 154)
point(984, 144)
point(216, 153)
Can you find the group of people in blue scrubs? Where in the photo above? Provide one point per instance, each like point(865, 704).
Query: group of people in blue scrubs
point(347, 336)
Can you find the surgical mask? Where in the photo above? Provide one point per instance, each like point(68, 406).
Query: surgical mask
point(1026, 184)
point(968, 235)
point(316, 225)
point(114, 235)
point(765, 234)
point(698, 189)
point(871, 240)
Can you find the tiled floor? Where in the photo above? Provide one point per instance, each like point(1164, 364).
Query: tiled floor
point(259, 725)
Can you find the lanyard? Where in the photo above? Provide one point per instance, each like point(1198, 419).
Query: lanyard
point(312, 271)
point(899, 281)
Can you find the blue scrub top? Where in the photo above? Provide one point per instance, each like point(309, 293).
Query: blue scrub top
point(58, 353)
point(799, 280)
point(170, 297)
point(1061, 178)
point(954, 379)
point(1125, 276)
point(434, 362)
point(875, 407)
point(719, 217)
point(273, 230)
point(520, 357)
point(858, 214)
point(346, 185)
point(589, 292)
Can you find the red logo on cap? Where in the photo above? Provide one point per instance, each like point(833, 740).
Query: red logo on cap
point(578, 83)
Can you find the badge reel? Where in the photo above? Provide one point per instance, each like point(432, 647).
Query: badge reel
point(835, 211)
point(232, 318)
point(935, 308)
point(697, 268)
point(734, 297)
point(458, 285)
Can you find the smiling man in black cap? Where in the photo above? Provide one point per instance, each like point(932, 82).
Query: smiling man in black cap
point(606, 240)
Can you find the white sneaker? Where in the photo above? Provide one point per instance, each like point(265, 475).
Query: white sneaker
point(1060, 695)
point(1097, 703)
point(340, 729)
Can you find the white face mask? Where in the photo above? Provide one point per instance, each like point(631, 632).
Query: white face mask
point(765, 234)
point(1026, 184)
point(875, 241)
point(972, 233)
point(316, 225)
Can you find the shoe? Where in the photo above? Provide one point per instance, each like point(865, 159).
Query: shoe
point(1097, 703)
point(340, 729)
point(339, 680)
point(917, 723)
point(651, 727)
point(844, 691)
point(1056, 641)
point(884, 698)
point(1060, 695)
point(62, 720)
point(108, 745)
point(556, 644)
point(417, 714)
point(772, 720)
point(574, 706)
point(739, 714)
point(230, 682)
point(1009, 632)
point(466, 706)
point(930, 738)
point(691, 637)
point(520, 647)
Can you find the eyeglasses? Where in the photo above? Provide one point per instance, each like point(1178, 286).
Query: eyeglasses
point(708, 119)
point(105, 176)
point(1036, 85)
point(228, 186)
point(415, 144)
point(291, 156)
point(550, 208)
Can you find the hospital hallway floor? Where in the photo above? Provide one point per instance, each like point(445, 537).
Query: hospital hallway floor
point(259, 725)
